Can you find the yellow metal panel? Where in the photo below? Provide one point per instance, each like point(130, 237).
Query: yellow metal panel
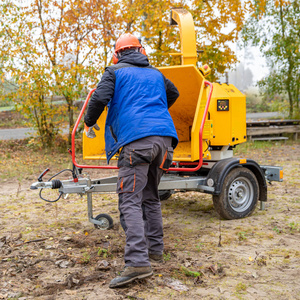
point(183, 152)
point(203, 95)
point(95, 148)
point(188, 110)
point(188, 83)
point(222, 127)
point(229, 127)
point(238, 114)
point(208, 130)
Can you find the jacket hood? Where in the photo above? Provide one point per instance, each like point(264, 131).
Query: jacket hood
point(134, 58)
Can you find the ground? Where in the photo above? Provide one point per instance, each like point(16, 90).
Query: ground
point(50, 250)
point(11, 119)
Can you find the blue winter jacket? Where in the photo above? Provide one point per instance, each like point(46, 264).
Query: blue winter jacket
point(138, 97)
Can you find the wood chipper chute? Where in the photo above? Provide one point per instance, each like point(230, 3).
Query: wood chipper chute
point(210, 120)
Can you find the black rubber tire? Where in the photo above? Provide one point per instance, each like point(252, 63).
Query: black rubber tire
point(164, 195)
point(107, 222)
point(239, 195)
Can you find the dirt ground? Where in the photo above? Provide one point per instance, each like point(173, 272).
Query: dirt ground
point(50, 250)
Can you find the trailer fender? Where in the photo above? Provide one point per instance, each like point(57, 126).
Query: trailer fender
point(219, 171)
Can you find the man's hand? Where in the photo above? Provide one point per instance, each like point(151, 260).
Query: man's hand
point(89, 131)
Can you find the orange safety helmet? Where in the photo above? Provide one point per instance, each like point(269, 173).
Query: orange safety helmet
point(126, 41)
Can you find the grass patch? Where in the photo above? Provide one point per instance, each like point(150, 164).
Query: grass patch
point(249, 146)
point(21, 162)
point(241, 287)
point(12, 119)
point(294, 226)
point(242, 236)
point(189, 273)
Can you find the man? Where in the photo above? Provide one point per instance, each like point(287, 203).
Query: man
point(138, 122)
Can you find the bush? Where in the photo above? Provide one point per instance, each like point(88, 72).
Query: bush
point(254, 102)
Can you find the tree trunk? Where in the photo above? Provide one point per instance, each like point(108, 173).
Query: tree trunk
point(71, 117)
point(291, 108)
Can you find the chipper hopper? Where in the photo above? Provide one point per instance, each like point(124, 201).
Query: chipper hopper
point(210, 119)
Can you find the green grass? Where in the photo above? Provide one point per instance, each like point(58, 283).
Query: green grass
point(189, 273)
point(21, 162)
point(258, 145)
point(12, 119)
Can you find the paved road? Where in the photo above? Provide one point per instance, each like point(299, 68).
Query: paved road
point(16, 134)
point(263, 115)
point(21, 133)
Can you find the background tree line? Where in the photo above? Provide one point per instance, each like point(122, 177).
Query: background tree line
point(274, 26)
point(60, 47)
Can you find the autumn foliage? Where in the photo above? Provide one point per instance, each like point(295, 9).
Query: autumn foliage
point(60, 48)
point(274, 28)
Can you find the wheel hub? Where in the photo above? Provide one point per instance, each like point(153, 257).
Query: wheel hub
point(104, 223)
point(240, 194)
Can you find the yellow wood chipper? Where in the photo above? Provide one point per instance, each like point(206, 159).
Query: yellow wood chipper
point(210, 119)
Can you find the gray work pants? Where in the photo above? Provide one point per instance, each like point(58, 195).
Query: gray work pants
point(141, 164)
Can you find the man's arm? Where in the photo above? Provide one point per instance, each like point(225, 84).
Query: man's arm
point(172, 92)
point(100, 98)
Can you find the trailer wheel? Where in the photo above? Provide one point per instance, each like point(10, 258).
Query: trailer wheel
point(239, 195)
point(164, 195)
point(106, 222)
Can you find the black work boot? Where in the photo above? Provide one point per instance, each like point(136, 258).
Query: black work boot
point(129, 274)
point(156, 258)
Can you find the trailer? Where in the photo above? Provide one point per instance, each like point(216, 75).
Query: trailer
point(210, 120)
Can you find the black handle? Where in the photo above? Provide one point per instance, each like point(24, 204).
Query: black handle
point(42, 175)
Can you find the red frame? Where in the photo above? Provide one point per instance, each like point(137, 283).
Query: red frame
point(198, 166)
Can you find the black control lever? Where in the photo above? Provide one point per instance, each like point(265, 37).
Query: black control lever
point(40, 178)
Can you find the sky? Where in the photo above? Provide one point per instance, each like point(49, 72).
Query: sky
point(257, 64)
point(250, 57)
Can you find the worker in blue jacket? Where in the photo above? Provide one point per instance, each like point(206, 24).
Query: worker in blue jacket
point(138, 123)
